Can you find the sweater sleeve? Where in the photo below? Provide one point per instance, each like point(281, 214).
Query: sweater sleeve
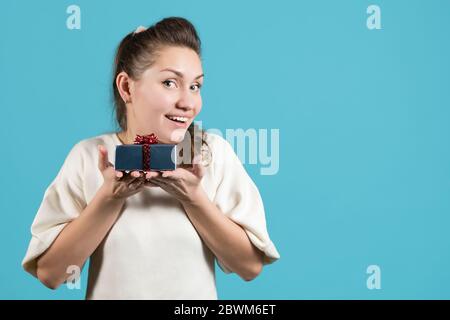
point(239, 199)
point(62, 202)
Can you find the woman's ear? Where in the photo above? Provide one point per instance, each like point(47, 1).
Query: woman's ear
point(123, 85)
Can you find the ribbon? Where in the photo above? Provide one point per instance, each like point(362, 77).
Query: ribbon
point(146, 141)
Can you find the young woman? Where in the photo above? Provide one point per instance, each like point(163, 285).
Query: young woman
point(152, 235)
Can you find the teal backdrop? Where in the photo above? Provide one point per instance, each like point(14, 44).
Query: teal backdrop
point(363, 117)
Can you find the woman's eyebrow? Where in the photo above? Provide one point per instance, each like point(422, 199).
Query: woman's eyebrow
point(178, 73)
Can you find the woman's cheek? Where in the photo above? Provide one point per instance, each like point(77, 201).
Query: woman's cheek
point(156, 103)
point(199, 106)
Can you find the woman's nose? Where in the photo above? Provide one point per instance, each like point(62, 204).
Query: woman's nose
point(184, 106)
point(186, 101)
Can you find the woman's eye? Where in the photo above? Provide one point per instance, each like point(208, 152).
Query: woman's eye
point(168, 83)
point(196, 87)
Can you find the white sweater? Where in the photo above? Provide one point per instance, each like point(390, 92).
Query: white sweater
point(152, 251)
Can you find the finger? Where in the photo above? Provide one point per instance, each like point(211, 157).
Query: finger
point(166, 174)
point(197, 167)
point(152, 174)
point(119, 175)
point(150, 177)
point(134, 177)
point(160, 181)
point(150, 184)
point(135, 184)
point(136, 174)
point(102, 158)
point(160, 185)
point(128, 179)
point(173, 175)
point(124, 177)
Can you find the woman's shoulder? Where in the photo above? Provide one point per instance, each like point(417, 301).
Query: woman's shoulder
point(222, 151)
point(89, 146)
point(216, 144)
point(106, 138)
point(216, 141)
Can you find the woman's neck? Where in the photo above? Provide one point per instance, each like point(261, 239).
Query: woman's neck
point(125, 137)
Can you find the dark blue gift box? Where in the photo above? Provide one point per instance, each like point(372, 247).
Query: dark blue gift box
point(130, 157)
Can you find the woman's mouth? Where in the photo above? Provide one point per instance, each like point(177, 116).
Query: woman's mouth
point(178, 121)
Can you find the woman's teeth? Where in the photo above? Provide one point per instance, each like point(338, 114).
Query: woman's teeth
point(178, 119)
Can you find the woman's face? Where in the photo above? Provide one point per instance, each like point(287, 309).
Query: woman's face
point(168, 89)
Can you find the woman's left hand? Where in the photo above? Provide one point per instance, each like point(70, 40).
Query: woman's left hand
point(182, 183)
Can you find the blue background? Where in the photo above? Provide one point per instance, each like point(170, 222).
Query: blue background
point(364, 131)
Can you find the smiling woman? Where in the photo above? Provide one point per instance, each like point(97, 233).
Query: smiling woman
point(152, 235)
point(158, 71)
point(161, 100)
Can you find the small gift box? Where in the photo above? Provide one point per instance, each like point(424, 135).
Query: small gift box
point(146, 154)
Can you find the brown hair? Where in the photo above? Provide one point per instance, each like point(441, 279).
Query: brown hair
point(138, 51)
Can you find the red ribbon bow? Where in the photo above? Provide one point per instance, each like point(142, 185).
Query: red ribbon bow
point(146, 141)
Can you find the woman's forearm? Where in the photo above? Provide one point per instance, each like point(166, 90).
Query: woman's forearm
point(79, 239)
point(225, 238)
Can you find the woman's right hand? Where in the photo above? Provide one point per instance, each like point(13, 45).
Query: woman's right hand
point(118, 184)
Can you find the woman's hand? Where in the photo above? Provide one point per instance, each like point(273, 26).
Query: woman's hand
point(182, 183)
point(118, 184)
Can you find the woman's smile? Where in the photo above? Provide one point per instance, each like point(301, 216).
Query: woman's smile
point(178, 121)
